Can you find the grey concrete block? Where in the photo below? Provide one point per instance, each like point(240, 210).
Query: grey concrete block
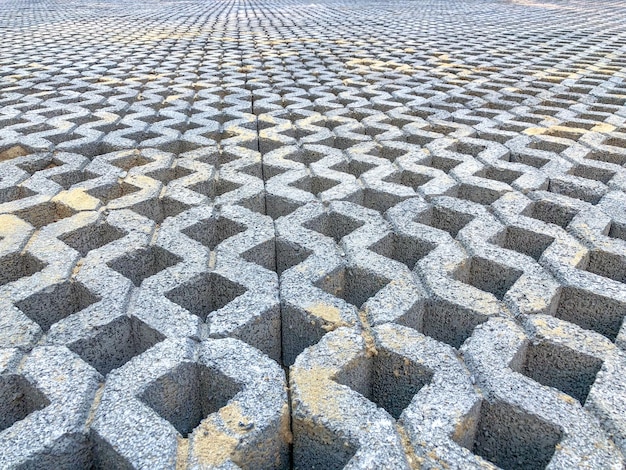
point(46, 400)
point(205, 405)
point(551, 426)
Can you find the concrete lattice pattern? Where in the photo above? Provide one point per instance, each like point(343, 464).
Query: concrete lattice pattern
point(272, 234)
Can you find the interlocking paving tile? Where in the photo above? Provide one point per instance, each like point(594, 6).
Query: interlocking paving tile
point(344, 234)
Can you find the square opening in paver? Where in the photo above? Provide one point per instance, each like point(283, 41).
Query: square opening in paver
point(380, 201)
point(449, 323)
point(213, 231)
point(188, 394)
point(160, 208)
point(18, 399)
point(57, 302)
point(18, 265)
point(111, 191)
point(611, 265)
point(388, 379)
point(114, 344)
point(527, 242)
point(617, 230)
point(314, 184)
point(70, 178)
point(91, 237)
point(403, 248)
point(511, 438)
point(490, 276)
point(552, 213)
point(144, 263)
point(15, 193)
point(205, 294)
point(446, 219)
point(334, 225)
point(167, 175)
point(45, 213)
point(563, 368)
point(355, 285)
point(591, 311)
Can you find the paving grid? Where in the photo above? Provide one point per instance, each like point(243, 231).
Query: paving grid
point(333, 234)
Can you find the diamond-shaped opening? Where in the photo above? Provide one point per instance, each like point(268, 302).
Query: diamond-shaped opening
point(607, 156)
point(57, 302)
point(592, 173)
point(72, 177)
point(490, 276)
point(446, 322)
point(509, 437)
point(45, 213)
point(503, 175)
point(116, 343)
point(575, 190)
point(478, 194)
point(289, 255)
point(558, 366)
point(527, 242)
point(205, 294)
point(306, 156)
point(92, 237)
point(390, 153)
point(17, 265)
point(402, 248)
point(205, 187)
point(616, 142)
point(213, 231)
point(109, 192)
point(444, 164)
point(225, 156)
point(422, 138)
point(380, 200)
point(548, 146)
point(446, 219)
point(144, 263)
point(617, 230)
point(591, 311)
point(387, 379)
point(142, 136)
point(608, 265)
point(18, 399)
point(334, 225)
point(373, 131)
point(126, 162)
point(470, 149)
point(13, 152)
point(314, 184)
point(167, 175)
point(529, 159)
point(413, 179)
point(14, 193)
point(355, 285)
point(355, 167)
point(159, 209)
point(552, 213)
point(321, 449)
point(224, 186)
point(188, 394)
point(263, 254)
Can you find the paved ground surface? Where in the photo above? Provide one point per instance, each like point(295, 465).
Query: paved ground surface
point(330, 234)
